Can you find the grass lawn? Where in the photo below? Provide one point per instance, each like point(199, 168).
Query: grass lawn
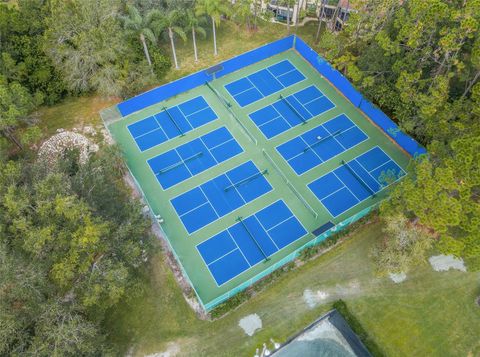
point(429, 314)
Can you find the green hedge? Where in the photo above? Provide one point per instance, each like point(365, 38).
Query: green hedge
point(357, 327)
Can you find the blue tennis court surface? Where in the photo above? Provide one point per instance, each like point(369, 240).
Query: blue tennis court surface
point(219, 196)
point(171, 122)
point(194, 157)
point(244, 244)
point(320, 144)
point(355, 181)
point(291, 111)
point(264, 82)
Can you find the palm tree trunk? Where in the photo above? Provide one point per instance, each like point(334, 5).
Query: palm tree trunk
point(145, 49)
point(298, 14)
point(214, 38)
point(194, 44)
point(320, 17)
point(288, 17)
point(170, 34)
point(254, 14)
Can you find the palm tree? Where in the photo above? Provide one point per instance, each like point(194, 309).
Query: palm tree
point(242, 10)
point(215, 9)
point(167, 21)
point(299, 8)
point(255, 15)
point(289, 3)
point(139, 26)
point(321, 15)
point(194, 23)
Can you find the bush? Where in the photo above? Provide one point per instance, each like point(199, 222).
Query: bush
point(161, 64)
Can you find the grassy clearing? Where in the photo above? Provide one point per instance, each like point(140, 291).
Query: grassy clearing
point(232, 40)
point(430, 314)
point(71, 113)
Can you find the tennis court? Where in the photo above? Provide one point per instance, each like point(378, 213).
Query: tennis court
point(288, 112)
point(248, 162)
point(321, 144)
point(221, 195)
point(250, 241)
point(356, 180)
point(263, 83)
point(171, 122)
point(194, 157)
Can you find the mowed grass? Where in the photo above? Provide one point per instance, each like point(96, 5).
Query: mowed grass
point(430, 314)
point(72, 113)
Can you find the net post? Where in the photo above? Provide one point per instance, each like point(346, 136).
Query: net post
point(239, 219)
point(289, 185)
point(228, 105)
point(247, 179)
point(177, 164)
point(359, 179)
point(174, 122)
point(293, 109)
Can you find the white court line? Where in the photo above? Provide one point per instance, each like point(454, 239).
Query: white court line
point(341, 188)
point(213, 261)
point(233, 185)
point(208, 200)
point(276, 78)
point(216, 146)
point(348, 188)
point(259, 126)
point(276, 225)
point(148, 132)
point(254, 86)
point(193, 209)
point(265, 230)
point(251, 266)
point(234, 241)
point(243, 91)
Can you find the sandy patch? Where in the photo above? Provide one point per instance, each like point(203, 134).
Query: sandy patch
point(339, 291)
point(172, 350)
point(250, 324)
point(446, 262)
point(312, 298)
point(397, 277)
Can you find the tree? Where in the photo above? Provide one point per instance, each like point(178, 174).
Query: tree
point(403, 247)
point(139, 26)
point(289, 3)
point(214, 9)
point(194, 23)
point(86, 43)
point(67, 253)
point(169, 21)
point(15, 105)
point(242, 10)
point(22, 58)
point(443, 194)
